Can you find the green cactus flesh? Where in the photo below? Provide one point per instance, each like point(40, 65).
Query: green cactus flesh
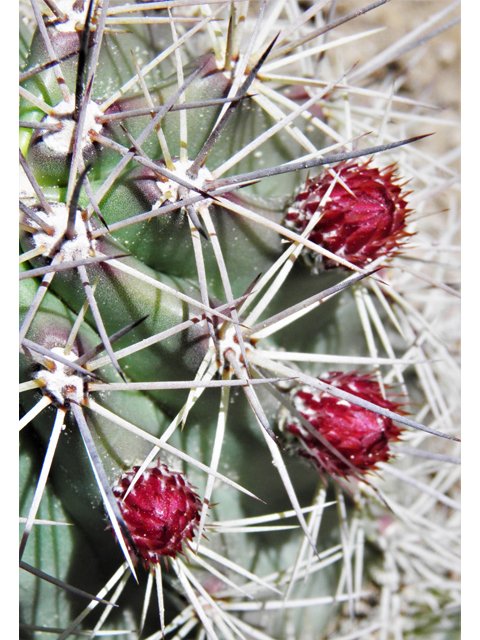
point(162, 145)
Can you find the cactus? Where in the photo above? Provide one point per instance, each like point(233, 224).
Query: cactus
point(216, 213)
point(361, 436)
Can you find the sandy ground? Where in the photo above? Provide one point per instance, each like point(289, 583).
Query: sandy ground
point(432, 69)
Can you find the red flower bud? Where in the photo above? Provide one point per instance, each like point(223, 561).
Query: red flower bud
point(161, 512)
point(361, 436)
point(359, 224)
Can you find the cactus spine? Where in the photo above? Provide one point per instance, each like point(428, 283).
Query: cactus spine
point(172, 308)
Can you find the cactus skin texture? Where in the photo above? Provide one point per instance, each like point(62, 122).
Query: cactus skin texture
point(206, 232)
